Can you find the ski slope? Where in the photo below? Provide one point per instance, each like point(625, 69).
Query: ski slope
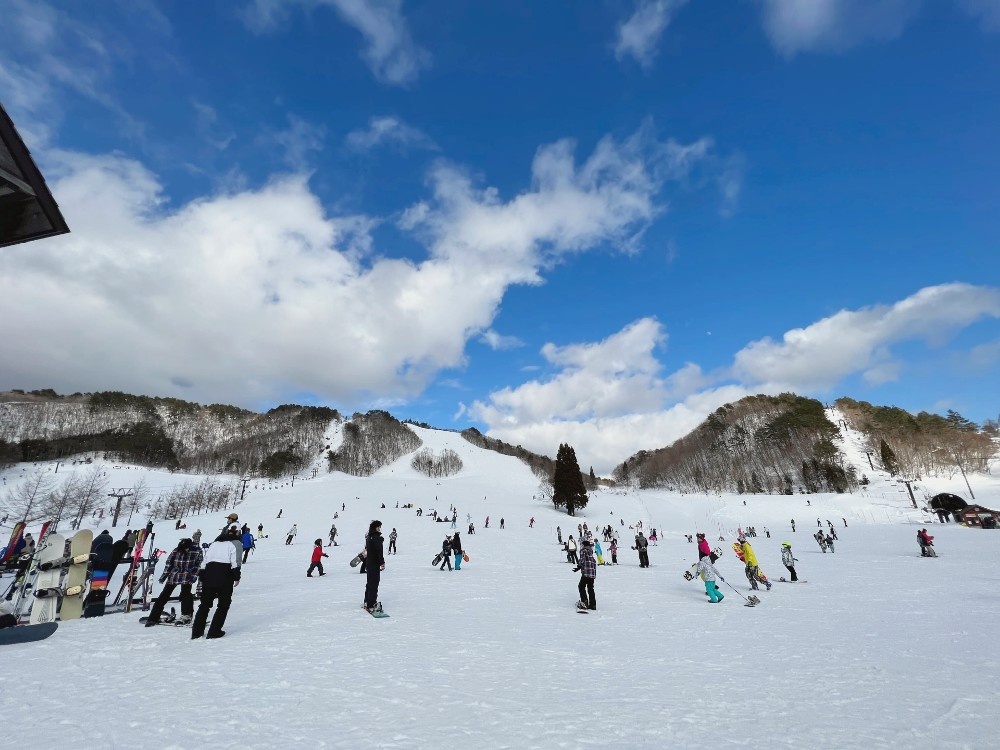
point(880, 649)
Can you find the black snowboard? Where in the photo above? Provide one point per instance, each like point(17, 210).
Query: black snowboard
point(100, 577)
point(27, 633)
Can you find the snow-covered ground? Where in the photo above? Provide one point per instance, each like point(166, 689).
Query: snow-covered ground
point(880, 649)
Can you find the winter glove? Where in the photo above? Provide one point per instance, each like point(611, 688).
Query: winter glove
point(722, 579)
point(325, 555)
point(163, 578)
point(577, 568)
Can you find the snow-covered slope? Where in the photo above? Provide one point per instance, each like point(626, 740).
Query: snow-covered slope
point(880, 649)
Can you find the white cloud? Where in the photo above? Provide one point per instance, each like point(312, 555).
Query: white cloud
point(498, 342)
point(639, 34)
point(610, 399)
point(390, 52)
point(817, 357)
point(833, 25)
point(250, 295)
point(387, 130)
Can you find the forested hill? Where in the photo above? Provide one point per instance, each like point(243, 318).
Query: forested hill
point(773, 444)
point(42, 425)
point(786, 444)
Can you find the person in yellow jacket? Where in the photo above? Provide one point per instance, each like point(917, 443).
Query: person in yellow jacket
point(754, 576)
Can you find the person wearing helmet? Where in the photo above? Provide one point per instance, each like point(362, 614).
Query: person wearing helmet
point(788, 560)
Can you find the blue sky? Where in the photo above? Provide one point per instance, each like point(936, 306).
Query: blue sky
point(573, 222)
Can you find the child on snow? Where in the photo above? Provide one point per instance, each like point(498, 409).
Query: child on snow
point(614, 551)
point(709, 574)
point(788, 560)
point(317, 559)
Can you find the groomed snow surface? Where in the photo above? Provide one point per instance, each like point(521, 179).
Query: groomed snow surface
point(880, 649)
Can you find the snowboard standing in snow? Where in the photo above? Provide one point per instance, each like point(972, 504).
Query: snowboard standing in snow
point(46, 603)
point(356, 560)
point(76, 575)
point(27, 633)
point(97, 598)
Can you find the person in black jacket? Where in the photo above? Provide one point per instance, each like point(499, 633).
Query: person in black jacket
point(456, 546)
point(219, 576)
point(375, 563)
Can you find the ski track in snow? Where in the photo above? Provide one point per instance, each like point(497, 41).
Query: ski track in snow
point(882, 649)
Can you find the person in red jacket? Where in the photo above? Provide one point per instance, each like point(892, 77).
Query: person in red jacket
point(926, 542)
point(317, 559)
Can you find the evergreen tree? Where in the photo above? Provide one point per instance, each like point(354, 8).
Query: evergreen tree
point(567, 484)
point(593, 479)
point(889, 461)
point(960, 423)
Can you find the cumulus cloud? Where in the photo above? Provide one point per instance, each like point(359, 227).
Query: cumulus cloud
point(390, 51)
point(638, 35)
point(612, 398)
point(387, 130)
point(795, 26)
point(255, 293)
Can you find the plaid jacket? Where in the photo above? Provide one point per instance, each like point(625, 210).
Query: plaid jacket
point(182, 567)
point(588, 565)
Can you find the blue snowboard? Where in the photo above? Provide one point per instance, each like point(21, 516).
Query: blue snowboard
point(27, 633)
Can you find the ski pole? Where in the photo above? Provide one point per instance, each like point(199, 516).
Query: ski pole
point(740, 595)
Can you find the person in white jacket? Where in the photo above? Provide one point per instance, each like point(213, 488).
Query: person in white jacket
point(292, 533)
point(789, 560)
point(220, 574)
point(709, 574)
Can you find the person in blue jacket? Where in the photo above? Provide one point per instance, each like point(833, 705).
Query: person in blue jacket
point(249, 543)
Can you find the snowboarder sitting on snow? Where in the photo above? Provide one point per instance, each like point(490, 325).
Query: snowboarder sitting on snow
point(788, 560)
point(588, 574)
point(316, 562)
point(709, 574)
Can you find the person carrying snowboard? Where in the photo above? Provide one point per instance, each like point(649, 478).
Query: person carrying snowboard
point(788, 560)
point(392, 542)
point(375, 560)
point(829, 543)
point(446, 553)
point(754, 576)
point(317, 559)
point(709, 574)
point(456, 547)
point(181, 570)
point(598, 552)
point(292, 532)
point(821, 540)
point(588, 574)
